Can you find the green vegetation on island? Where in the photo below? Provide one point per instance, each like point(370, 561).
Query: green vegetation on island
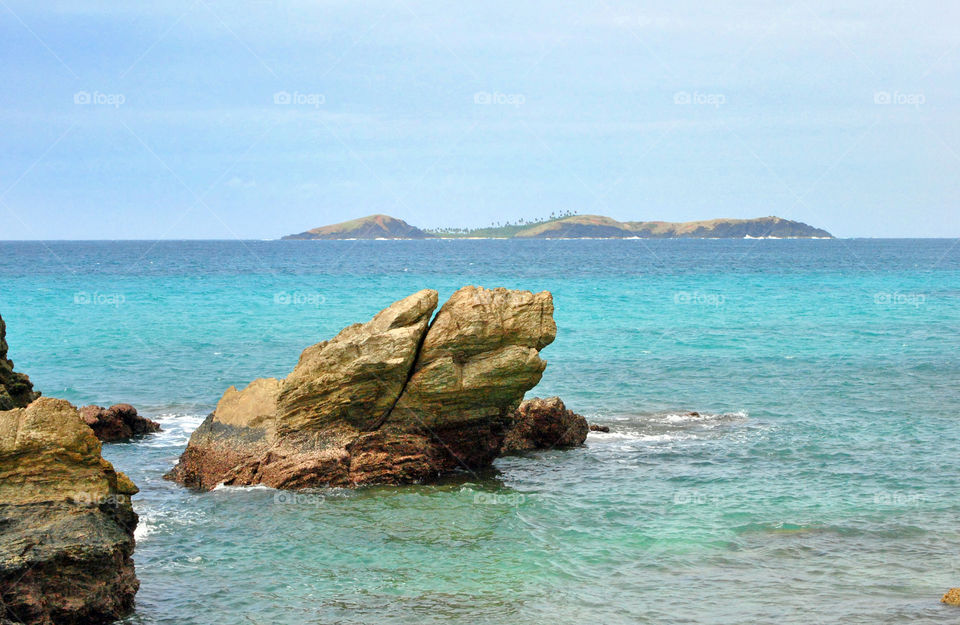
point(569, 225)
point(497, 230)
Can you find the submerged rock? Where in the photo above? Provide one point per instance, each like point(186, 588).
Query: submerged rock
point(599, 428)
point(16, 391)
point(119, 422)
point(397, 399)
point(544, 424)
point(66, 521)
point(952, 597)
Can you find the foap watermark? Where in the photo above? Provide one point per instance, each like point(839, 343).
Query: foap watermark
point(695, 498)
point(99, 99)
point(884, 498)
point(285, 98)
point(85, 498)
point(899, 299)
point(299, 298)
point(508, 99)
point(696, 298)
point(898, 98)
point(290, 498)
point(499, 499)
point(684, 98)
point(84, 298)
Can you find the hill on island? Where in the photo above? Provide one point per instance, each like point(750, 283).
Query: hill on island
point(598, 226)
point(574, 227)
point(371, 227)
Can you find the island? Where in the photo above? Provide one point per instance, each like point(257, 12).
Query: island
point(372, 227)
point(573, 226)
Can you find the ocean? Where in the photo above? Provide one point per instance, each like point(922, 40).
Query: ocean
point(818, 485)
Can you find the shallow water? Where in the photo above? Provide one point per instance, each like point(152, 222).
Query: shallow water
point(817, 486)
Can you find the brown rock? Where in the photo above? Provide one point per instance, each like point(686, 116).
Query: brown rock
point(16, 391)
point(544, 424)
point(66, 521)
point(478, 359)
point(394, 400)
point(599, 428)
point(117, 423)
point(952, 597)
point(251, 407)
point(356, 378)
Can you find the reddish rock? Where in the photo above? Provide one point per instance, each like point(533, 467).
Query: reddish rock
point(119, 422)
point(598, 428)
point(544, 424)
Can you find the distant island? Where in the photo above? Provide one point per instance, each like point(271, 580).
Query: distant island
point(572, 226)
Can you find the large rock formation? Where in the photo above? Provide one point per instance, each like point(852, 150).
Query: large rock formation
point(16, 390)
point(66, 522)
point(398, 399)
point(544, 424)
point(119, 422)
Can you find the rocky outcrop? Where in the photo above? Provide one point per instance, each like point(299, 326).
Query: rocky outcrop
point(599, 428)
point(119, 422)
point(395, 400)
point(16, 390)
point(66, 522)
point(544, 424)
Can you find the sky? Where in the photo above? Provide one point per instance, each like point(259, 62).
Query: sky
point(213, 119)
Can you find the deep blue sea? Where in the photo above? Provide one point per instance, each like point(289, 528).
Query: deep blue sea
point(820, 485)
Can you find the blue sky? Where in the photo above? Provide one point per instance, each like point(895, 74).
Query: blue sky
point(213, 119)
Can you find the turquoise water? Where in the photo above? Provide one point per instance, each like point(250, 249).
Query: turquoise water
point(820, 485)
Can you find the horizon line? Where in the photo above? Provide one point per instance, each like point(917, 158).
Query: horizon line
point(240, 240)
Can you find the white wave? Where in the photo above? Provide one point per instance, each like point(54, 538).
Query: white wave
point(144, 528)
point(175, 430)
point(664, 428)
point(224, 487)
point(701, 417)
point(160, 519)
point(634, 436)
point(671, 418)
